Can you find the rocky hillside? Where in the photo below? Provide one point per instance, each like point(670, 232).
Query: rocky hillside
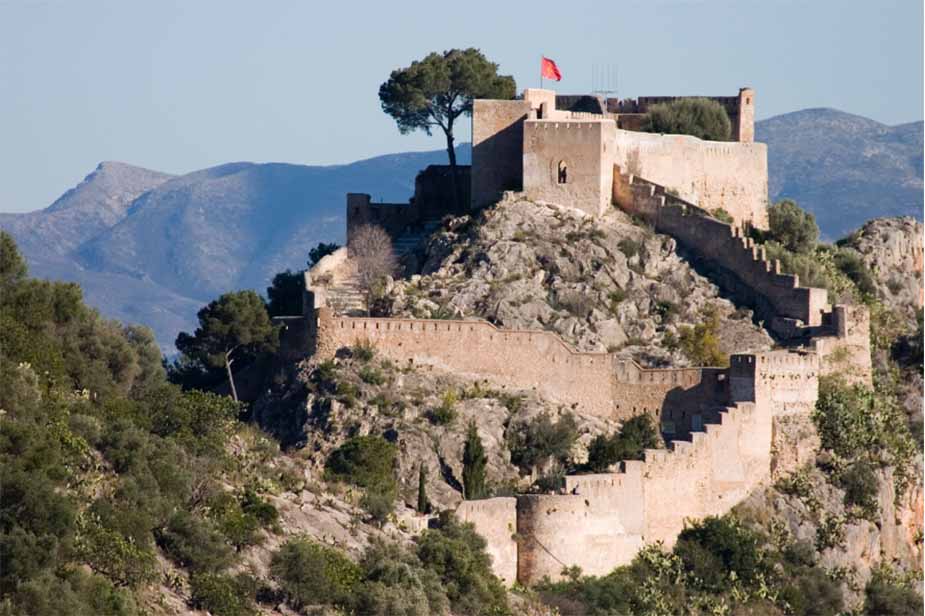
point(892, 250)
point(843, 168)
point(602, 284)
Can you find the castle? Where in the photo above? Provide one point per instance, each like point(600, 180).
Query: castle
point(729, 429)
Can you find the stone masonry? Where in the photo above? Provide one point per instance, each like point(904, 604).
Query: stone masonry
point(725, 426)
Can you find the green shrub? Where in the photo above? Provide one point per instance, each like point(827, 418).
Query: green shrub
point(701, 117)
point(363, 351)
point(809, 591)
point(396, 583)
point(635, 436)
point(364, 461)
point(700, 344)
point(666, 310)
point(311, 574)
point(890, 594)
point(238, 527)
point(379, 503)
point(222, 595)
point(456, 554)
point(445, 413)
point(792, 226)
point(371, 375)
point(852, 265)
point(861, 486)
point(194, 543)
point(857, 423)
point(629, 247)
point(714, 547)
point(722, 215)
point(539, 440)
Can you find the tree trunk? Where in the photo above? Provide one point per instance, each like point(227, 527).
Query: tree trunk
point(234, 392)
point(454, 183)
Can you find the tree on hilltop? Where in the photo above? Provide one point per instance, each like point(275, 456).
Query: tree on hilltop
point(438, 89)
point(234, 327)
point(320, 251)
point(701, 117)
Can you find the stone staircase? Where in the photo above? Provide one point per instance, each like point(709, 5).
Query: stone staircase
point(346, 296)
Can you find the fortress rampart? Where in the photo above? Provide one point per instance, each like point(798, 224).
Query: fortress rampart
point(566, 155)
point(840, 335)
point(433, 199)
point(592, 383)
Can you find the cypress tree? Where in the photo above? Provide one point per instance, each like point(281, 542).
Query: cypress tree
point(423, 504)
point(474, 465)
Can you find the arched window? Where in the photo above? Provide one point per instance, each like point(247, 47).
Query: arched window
point(563, 172)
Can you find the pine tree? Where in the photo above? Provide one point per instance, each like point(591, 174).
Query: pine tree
point(423, 504)
point(474, 465)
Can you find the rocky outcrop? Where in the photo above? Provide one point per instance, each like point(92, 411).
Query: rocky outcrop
point(892, 250)
point(603, 284)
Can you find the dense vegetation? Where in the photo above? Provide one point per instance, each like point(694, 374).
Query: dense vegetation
point(724, 566)
point(700, 117)
point(446, 567)
point(105, 464)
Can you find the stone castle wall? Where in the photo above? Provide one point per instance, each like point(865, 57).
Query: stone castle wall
point(592, 383)
point(711, 174)
point(566, 162)
point(433, 199)
point(602, 520)
point(840, 335)
point(518, 145)
point(496, 521)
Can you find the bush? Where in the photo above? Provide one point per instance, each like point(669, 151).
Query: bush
point(700, 344)
point(539, 440)
point(861, 486)
point(311, 574)
point(700, 117)
point(396, 583)
point(852, 265)
point(379, 503)
point(222, 595)
point(809, 591)
point(886, 595)
point(793, 227)
point(636, 435)
point(365, 461)
point(363, 351)
point(629, 247)
point(456, 554)
point(445, 414)
point(722, 215)
point(193, 543)
point(857, 423)
point(714, 547)
point(371, 375)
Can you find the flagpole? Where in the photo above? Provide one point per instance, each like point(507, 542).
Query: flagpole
point(541, 72)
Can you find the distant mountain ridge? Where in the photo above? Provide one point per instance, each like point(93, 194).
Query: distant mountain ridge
point(844, 168)
point(152, 248)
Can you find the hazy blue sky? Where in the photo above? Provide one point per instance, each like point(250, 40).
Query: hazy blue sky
point(179, 85)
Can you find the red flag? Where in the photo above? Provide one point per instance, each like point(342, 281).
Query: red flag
point(549, 70)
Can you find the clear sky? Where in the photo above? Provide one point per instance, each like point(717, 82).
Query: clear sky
point(178, 85)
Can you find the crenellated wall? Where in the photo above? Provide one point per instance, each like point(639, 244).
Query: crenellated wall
point(840, 335)
point(594, 383)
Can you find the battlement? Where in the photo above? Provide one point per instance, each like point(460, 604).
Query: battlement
point(562, 149)
point(593, 383)
point(602, 520)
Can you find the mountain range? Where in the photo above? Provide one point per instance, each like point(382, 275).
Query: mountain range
point(152, 248)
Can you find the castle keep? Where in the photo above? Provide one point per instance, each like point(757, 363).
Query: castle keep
point(725, 427)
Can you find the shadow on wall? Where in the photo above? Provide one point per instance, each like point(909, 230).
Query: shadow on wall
point(498, 165)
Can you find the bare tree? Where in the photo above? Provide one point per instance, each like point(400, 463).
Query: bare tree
point(371, 249)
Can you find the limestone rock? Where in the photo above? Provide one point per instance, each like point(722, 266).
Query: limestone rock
point(602, 284)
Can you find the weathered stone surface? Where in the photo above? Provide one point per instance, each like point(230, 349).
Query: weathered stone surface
point(602, 284)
